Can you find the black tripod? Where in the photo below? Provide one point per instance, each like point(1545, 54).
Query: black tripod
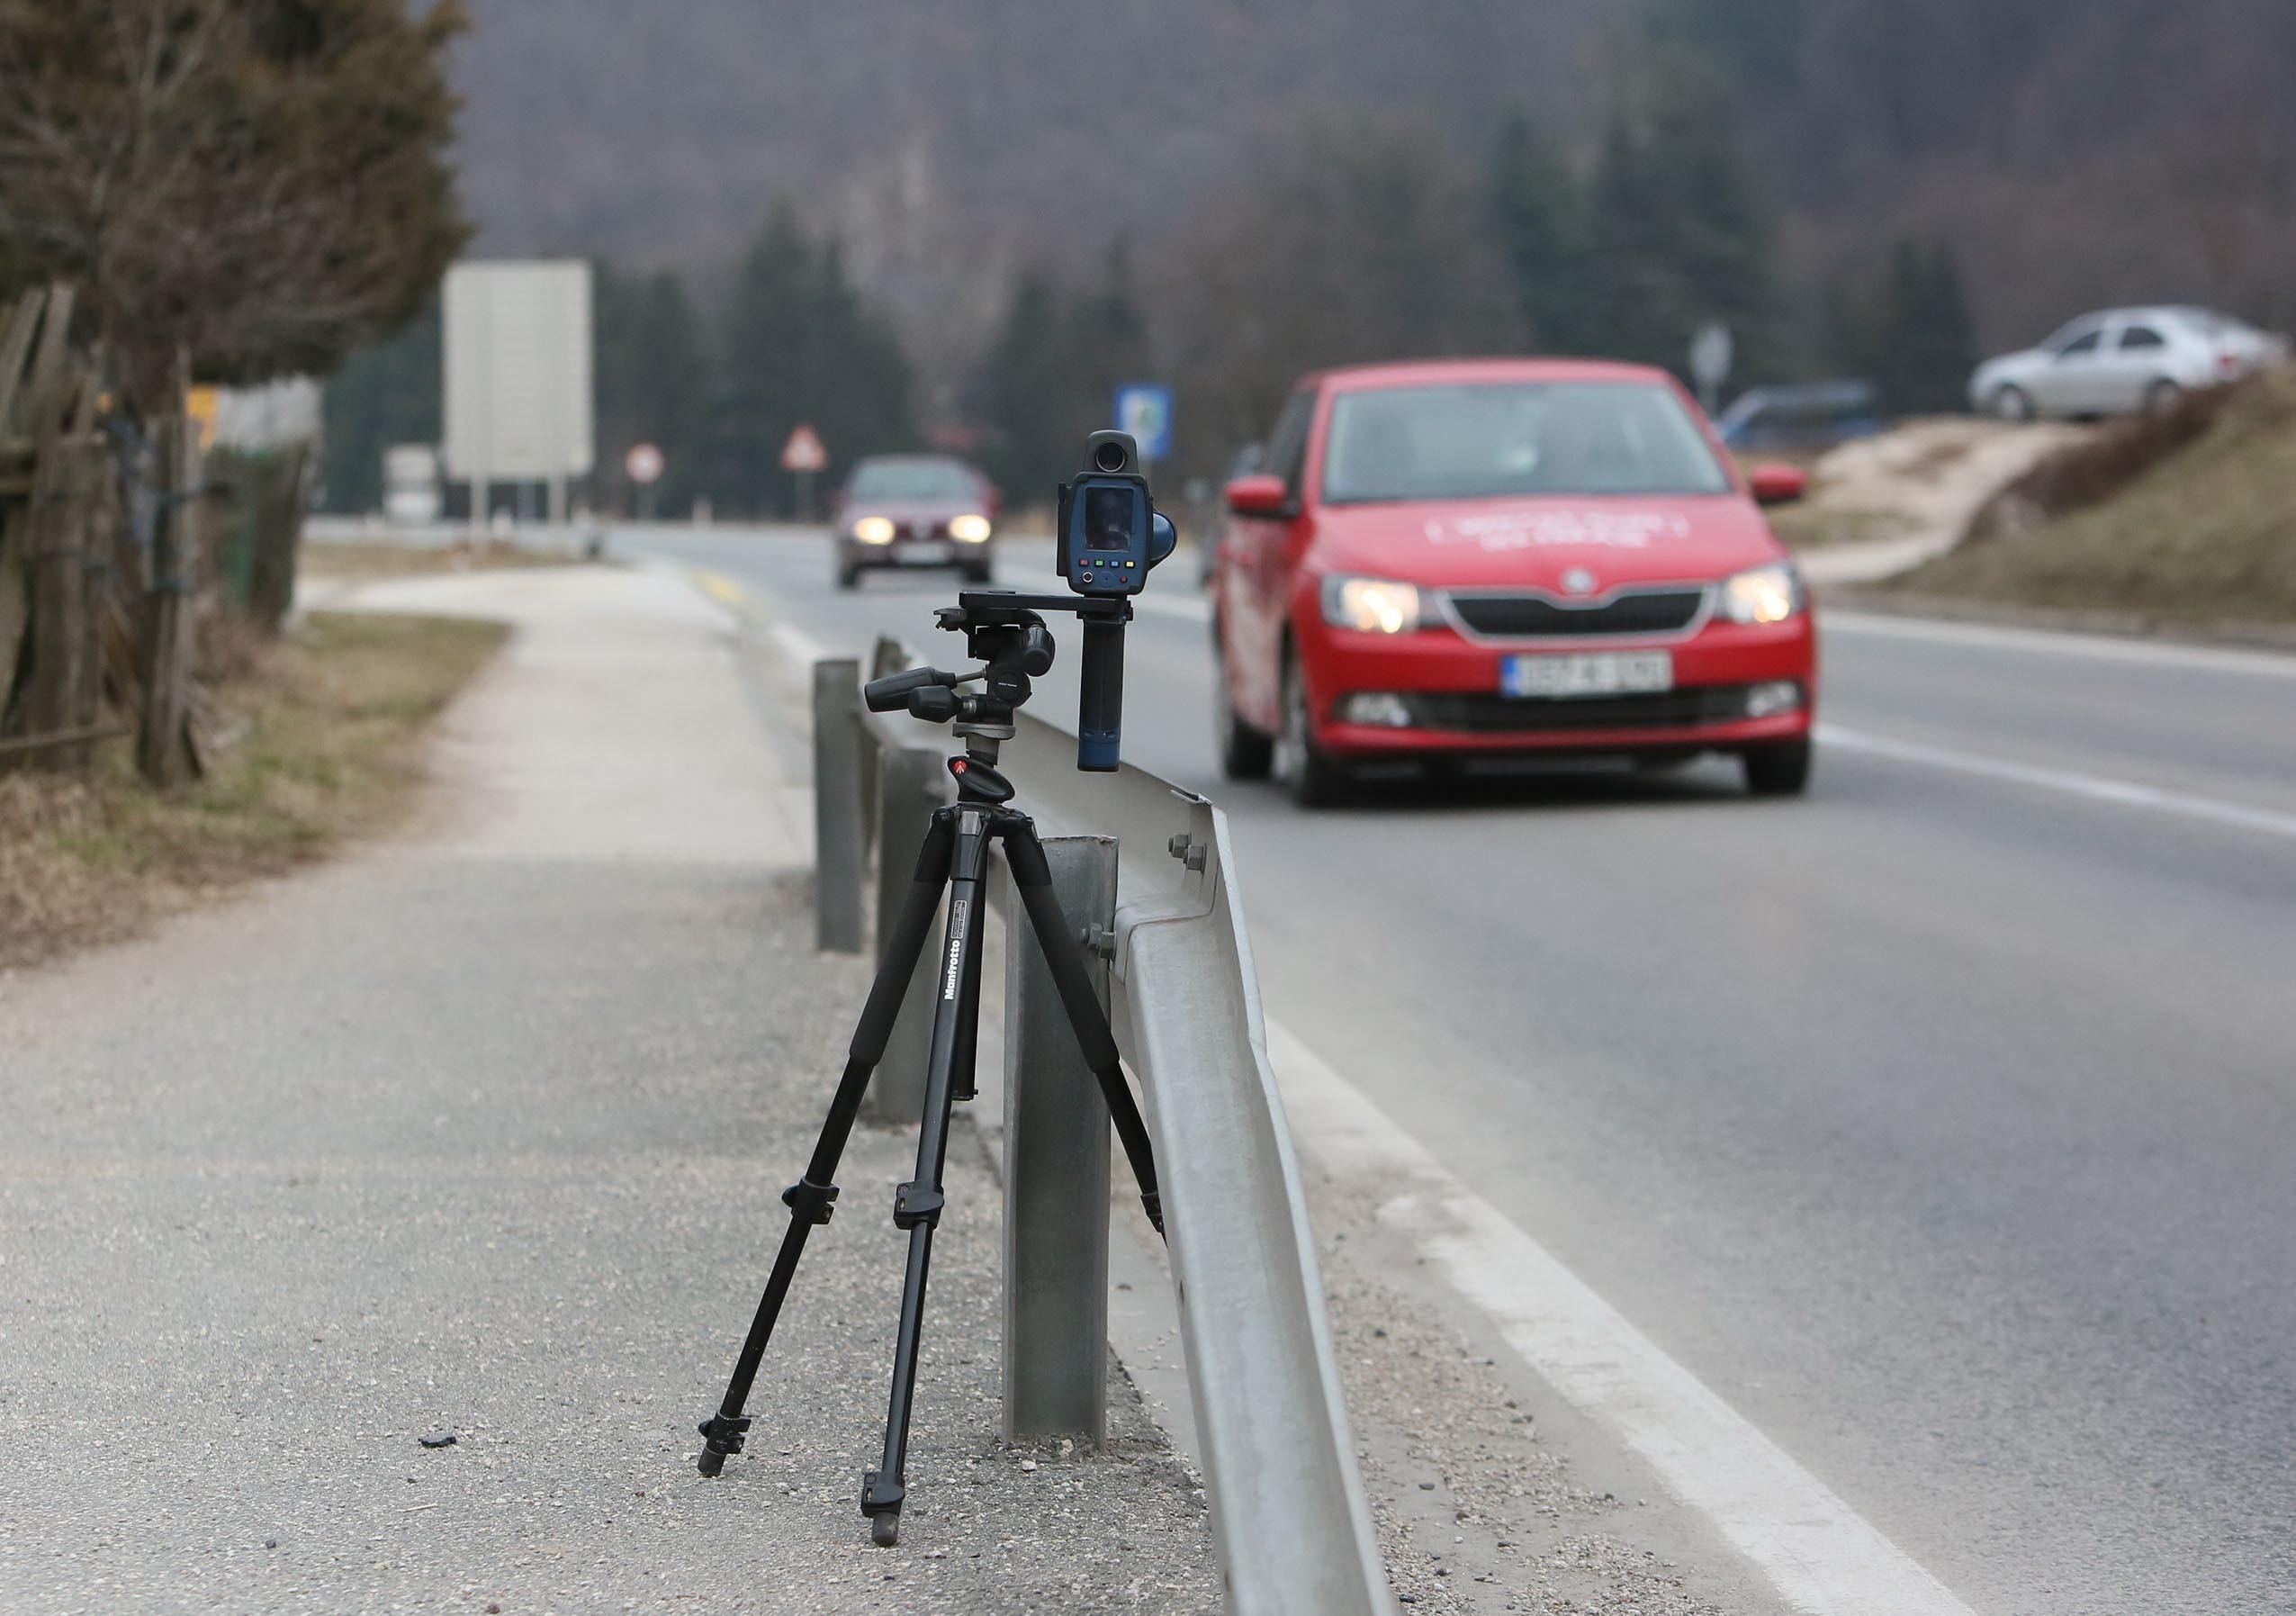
point(1015, 644)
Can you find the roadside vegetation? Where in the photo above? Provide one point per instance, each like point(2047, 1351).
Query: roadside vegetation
point(316, 740)
point(2186, 517)
point(360, 561)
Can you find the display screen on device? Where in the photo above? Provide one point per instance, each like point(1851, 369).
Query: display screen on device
point(1109, 518)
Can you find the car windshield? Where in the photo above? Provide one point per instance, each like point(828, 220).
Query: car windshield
point(1485, 440)
point(912, 480)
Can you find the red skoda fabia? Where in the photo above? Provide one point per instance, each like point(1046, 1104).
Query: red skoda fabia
point(1489, 557)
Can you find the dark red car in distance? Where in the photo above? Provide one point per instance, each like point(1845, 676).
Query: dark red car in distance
point(914, 510)
point(1455, 558)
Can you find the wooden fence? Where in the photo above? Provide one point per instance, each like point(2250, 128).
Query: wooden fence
point(99, 550)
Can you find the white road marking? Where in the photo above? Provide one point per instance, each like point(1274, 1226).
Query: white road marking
point(2212, 658)
point(1820, 1554)
point(2097, 788)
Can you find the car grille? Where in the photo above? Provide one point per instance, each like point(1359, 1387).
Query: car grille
point(1540, 617)
point(920, 530)
point(1481, 714)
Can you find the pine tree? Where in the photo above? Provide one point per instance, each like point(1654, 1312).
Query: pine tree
point(1021, 389)
point(653, 387)
point(800, 346)
point(387, 394)
point(1679, 227)
point(1537, 216)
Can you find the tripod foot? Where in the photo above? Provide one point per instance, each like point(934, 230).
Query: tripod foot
point(881, 1503)
point(721, 1438)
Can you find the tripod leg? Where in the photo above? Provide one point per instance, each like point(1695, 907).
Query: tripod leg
point(916, 1205)
point(1032, 878)
point(813, 1197)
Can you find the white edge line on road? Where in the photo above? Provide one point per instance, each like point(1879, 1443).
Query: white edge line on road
point(1821, 1555)
point(2097, 788)
point(2221, 659)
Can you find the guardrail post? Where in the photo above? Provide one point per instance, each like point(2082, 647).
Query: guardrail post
point(836, 806)
point(1056, 1168)
point(909, 786)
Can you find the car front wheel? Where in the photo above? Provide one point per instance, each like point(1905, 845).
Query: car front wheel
point(2013, 403)
point(1301, 768)
point(1780, 769)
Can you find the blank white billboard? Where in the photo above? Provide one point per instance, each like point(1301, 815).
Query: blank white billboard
point(517, 363)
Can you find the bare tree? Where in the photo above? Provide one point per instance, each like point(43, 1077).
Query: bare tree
point(258, 183)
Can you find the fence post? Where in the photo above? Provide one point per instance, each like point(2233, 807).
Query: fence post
point(837, 806)
point(1056, 1169)
point(164, 752)
point(909, 786)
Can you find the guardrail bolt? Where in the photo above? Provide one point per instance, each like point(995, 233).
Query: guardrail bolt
point(1098, 940)
point(1189, 852)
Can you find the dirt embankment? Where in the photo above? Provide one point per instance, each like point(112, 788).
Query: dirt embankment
point(2188, 517)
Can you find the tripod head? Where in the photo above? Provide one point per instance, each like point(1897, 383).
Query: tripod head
point(1005, 631)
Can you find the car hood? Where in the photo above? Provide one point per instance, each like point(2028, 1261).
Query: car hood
point(916, 512)
point(2024, 359)
point(1457, 544)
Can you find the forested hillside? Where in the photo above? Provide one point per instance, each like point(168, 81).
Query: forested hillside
point(2070, 153)
point(1003, 204)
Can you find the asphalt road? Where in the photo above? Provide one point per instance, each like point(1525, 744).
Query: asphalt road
point(1944, 1123)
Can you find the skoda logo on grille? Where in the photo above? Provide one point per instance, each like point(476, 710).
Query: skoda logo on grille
point(1578, 580)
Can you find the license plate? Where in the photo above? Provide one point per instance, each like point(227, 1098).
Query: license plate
point(1588, 673)
point(927, 553)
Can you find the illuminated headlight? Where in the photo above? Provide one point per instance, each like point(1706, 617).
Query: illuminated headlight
point(1370, 605)
point(874, 530)
point(970, 530)
point(1767, 594)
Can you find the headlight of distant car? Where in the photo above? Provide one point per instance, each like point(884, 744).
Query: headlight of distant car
point(1370, 605)
point(1767, 594)
point(970, 530)
point(874, 530)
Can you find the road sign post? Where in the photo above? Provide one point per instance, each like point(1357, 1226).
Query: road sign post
point(644, 465)
point(802, 457)
point(1711, 353)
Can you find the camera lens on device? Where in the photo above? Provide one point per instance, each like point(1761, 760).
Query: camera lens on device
point(1108, 456)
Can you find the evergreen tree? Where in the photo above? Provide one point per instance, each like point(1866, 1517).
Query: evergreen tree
point(1679, 225)
point(1051, 371)
point(1911, 334)
point(1537, 216)
point(1020, 391)
point(387, 394)
point(653, 387)
point(801, 346)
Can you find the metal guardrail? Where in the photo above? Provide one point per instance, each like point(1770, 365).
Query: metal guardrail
point(1289, 1515)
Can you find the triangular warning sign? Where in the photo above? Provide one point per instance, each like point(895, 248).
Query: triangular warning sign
point(803, 451)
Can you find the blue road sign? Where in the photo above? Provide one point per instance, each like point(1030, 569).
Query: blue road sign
point(1144, 409)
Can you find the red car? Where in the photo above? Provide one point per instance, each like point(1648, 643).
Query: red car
point(1468, 557)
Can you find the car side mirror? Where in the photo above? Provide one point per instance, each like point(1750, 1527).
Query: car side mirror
point(1777, 485)
point(991, 499)
point(1260, 494)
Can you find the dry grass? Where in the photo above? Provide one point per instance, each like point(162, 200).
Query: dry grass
point(2189, 517)
point(362, 561)
point(327, 724)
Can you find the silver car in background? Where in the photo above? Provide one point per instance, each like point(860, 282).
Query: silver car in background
point(2119, 361)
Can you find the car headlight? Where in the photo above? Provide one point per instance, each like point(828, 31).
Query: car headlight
point(1370, 605)
point(1766, 594)
point(874, 530)
point(970, 530)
